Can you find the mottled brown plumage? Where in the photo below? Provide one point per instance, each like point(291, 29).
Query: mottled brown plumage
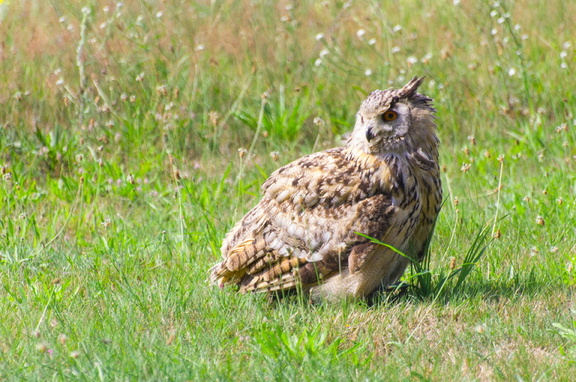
point(384, 183)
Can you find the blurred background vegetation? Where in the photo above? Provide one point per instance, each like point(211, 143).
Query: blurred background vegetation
point(133, 135)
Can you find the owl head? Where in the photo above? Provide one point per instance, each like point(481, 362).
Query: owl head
point(395, 120)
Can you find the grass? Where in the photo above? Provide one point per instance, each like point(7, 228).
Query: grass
point(120, 131)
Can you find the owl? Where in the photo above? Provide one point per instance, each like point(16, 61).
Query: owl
point(314, 227)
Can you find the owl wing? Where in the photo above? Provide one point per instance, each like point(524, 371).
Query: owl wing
point(305, 227)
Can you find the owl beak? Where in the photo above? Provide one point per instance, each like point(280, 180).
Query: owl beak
point(369, 134)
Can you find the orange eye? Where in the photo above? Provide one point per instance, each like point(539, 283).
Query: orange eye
point(389, 116)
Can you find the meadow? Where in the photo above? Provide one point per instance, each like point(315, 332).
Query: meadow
point(134, 135)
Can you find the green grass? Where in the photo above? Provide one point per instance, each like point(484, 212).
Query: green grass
point(120, 175)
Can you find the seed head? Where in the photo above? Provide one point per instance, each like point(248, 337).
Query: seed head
point(62, 338)
point(562, 127)
point(162, 90)
point(411, 60)
point(213, 116)
point(171, 337)
point(318, 121)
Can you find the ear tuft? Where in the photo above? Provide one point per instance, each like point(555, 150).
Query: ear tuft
point(410, 88)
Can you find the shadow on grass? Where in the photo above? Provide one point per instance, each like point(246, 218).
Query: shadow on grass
point(478, 289)
point(528, 284)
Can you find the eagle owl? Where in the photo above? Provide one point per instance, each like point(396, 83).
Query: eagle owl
point(384, 184)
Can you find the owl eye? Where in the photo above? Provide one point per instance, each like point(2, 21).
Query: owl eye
point(390, 115)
